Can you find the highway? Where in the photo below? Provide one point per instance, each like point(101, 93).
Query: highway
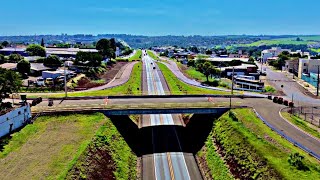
point(164, 165)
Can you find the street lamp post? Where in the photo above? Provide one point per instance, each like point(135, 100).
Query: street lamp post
point(65, 80)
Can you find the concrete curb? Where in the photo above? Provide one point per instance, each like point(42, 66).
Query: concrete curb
point(311, 136)
point(295, 143)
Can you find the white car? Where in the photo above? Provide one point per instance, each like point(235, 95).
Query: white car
point(40, 82)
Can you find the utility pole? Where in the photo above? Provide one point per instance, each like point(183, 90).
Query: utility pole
point(232, 81)
point(318, 82)
point(232, 86)
point(65, 81)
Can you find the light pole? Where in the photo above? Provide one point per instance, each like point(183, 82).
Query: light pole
point(65, 80)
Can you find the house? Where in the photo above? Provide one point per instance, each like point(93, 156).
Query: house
point(244, 69)
point(247, 84)
point(273, 52)
point(36, 69)
point(14, 119)
point(292, 66)
point(9, 66)
point(10, 50)
point(67, 52)
point(307, 66)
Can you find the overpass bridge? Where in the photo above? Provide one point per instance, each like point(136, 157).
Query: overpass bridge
point(140, 108)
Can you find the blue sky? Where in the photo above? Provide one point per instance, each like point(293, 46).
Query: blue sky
point(160, 17)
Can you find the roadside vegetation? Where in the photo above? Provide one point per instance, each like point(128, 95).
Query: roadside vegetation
point(253, 151)
point(152, 55)
point(178, 87)
point(48, 148)
point(108, 156)
point(137, 56)
point(302, 124)
point(131, 87)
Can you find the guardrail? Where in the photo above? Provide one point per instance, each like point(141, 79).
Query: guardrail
point(295, 143)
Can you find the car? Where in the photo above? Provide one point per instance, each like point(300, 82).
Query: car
point(60, 79)
point(40, 82)
point(49, 81)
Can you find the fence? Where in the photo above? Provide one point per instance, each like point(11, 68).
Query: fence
point(308, 114)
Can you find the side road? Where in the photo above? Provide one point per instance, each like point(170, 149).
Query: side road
point(176, 71)
point(121, 78)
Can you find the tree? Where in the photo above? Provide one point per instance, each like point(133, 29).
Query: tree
point(205, 68)
point(2, 59)
point(105, 49)
point(15, 58)
point(52, 61)
point(42, 42)
point(10, 82)
point(88, 59)
point(36, 50)
point(251, 60)
point(5, 43)
point(209, 52)
point(23, 66)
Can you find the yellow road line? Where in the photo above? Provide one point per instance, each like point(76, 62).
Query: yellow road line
point(170, 166)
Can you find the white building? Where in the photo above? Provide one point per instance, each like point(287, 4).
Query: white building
point(273, 52)
point(14, 120)
point(307, 66)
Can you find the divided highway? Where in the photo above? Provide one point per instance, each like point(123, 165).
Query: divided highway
point(164, 165)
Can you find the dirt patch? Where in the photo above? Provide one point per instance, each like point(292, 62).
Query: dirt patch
point(95, 164)
point(112, 71)
point(203, 166)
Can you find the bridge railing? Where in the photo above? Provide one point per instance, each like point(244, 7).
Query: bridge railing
point(90, 107)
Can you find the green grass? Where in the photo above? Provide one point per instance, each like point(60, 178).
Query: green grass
point(136, 56)
point(270, 89)
point(282, 41)
point(48, 148)
point(152, 55)
point(301, 124)
point(198, 76)
point(178, 87)
point(131, 87)
point(218, 168)
point(315, 50)
point(259, 151)
point(107, 140)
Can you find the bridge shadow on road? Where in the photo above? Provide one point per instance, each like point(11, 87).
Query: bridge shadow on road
point(166, 138)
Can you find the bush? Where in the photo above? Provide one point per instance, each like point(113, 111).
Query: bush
point(296, 160)
point(233, 116)
point(270, 89)
point(52, 61)
point(15, 58)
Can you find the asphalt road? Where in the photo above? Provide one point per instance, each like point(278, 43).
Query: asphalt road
point(290, 87)
point(164, 165)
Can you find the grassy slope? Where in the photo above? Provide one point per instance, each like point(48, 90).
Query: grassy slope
point(315, 50)
point(131, 87)
point(178, 87)
point(251, 144)
point(152, 55)
point(109, 140)
point(49, 147)
point(136, 56)
point(301, 124)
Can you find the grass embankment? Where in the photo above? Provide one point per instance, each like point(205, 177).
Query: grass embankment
point(178, 87)
point(301, 124)
point(198, 76)
point(137, 56)
point(107, 153)
point(48, 148)
point(152, 55)
point(133, 86)
point(253, 151)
